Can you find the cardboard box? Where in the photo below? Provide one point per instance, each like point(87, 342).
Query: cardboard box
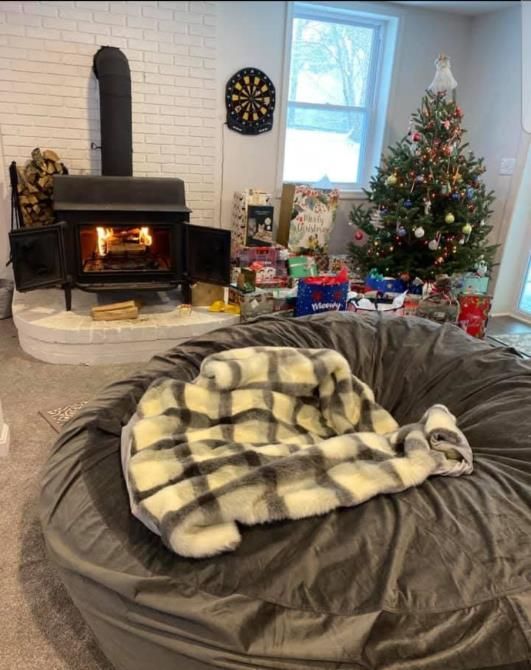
point(252, 304)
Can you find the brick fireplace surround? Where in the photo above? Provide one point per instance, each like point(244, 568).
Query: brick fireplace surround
point(49, 95)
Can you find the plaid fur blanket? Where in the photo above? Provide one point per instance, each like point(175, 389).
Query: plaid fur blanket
point(271, 433)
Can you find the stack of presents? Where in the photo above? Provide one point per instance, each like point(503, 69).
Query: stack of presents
point(293, 274)
point(290, 271)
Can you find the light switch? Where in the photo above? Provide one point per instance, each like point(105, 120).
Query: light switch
point(507, 166)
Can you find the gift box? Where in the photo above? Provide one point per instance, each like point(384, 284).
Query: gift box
point(469, 282)
point(264, 255)
point(259, 225)
point(302, 266)
point(252, 304)
point(439, 308)
point(322, 294)
point(284, 299)
point(474, 313)
point(385, 284)
point(473, 283)
point(240, 214)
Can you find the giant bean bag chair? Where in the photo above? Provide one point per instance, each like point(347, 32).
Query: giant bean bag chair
point(436, 577)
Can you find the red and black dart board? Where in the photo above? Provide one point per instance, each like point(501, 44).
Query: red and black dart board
point(250, 99)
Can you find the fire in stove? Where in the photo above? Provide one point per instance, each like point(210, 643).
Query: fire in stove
point(123, 241)
point(125, 248)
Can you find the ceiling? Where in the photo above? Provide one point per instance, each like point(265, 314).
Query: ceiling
point(465, 7)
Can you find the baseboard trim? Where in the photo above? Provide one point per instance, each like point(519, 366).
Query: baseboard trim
point(511, 315)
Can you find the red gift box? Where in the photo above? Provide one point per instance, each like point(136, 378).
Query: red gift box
point(474, 313)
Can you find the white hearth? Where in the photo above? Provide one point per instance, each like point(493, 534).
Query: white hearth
point(49, 333)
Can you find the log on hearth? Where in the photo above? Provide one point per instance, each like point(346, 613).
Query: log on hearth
point(35, 187)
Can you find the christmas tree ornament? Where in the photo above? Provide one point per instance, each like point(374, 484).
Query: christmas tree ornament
point(467, 229)
point(358, 235)
point(482, 268)
point(419, 179)
point(427, 207)
point(444, 189)
point(470, 193)
point(408, 204)
point(401, 231)
point(391, 180)
point(455, 196)
point(449, 218)
point(419, 232)
point(433, 245)
point(376, 218)
point(482, 222)
point(461, 240)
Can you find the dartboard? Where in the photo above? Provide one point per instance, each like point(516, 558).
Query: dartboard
point(250, 99)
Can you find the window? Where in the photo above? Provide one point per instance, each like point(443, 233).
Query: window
point(337, 82)
point(524, 304)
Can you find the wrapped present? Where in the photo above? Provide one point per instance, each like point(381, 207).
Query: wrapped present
point(284, 299)
point(302, 266)
point(474, 313)
point(240, 214)
point(259, 225)
point(440, 306)
point(322, 261)
point(264, 255)
point(252, 304)
point(377, 282)
point(247, 280)
point(307, 217)
point(474, 283)
point(322, 294)
point(469, 282)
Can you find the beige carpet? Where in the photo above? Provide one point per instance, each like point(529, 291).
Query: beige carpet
point(41, 629)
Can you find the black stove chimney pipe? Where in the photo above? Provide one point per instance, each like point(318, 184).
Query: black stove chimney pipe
point(111, 68)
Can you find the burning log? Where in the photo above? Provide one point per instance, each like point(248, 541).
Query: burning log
point(35, 187)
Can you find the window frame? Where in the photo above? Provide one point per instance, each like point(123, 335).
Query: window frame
point(379, 83)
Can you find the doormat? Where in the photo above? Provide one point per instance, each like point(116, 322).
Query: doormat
point(519, 341)
point(60, 415)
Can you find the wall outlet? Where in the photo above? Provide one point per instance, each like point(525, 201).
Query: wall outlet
point(507, 166)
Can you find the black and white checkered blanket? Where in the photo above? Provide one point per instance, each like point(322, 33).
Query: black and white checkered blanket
point(269, 433)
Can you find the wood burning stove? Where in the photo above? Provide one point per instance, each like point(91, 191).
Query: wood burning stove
point(117, 233)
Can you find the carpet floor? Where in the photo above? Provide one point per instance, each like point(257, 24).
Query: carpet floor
point(41, 628)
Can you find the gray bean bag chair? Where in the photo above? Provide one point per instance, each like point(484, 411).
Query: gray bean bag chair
point(434, 578)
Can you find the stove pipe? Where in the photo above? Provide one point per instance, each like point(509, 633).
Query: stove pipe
point(111, 68)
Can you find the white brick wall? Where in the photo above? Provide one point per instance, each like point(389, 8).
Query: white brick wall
point(49, 95)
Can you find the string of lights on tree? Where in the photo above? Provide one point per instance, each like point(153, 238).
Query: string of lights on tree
point(428, 207)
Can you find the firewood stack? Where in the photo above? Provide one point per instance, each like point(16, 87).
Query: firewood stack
point(35, 187)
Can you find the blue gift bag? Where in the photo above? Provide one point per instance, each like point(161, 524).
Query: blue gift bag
point(321, 294)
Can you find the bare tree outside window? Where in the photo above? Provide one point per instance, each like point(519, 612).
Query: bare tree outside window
point(329, 90)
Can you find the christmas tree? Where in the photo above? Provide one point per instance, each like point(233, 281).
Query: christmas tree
point(428, 209)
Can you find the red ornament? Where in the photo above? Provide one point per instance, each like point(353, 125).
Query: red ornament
point(358, 235)
point(416, 136)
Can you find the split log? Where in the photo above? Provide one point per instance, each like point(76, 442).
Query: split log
point(116, 314)
point(35, 187)
point(115, 311)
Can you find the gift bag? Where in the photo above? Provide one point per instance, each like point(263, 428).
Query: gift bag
point(322, 294)
point(474, 313)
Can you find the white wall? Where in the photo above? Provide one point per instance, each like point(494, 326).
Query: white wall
point(260, 30)
point(49, 95)
point(492, 102)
